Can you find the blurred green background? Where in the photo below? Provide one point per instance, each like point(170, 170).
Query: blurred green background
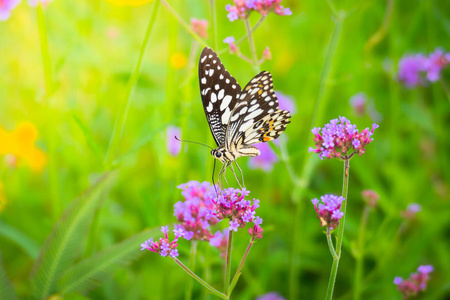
point(61, 129)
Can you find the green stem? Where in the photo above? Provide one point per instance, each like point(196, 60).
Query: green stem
point(50, 134)
point(192, 256)
point(238, 271)
point(213, 22)
point(378, 36)
point(330, 245)
point(123, 112)
point(201, 281)
point(184, 24)
point(243, 37)
point(309, 163)
point(228, 264)
point(340, 236)
point(252, 44)
point(360, 253)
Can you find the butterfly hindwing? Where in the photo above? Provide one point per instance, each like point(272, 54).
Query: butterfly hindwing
point(220, 93)
point(256, 117)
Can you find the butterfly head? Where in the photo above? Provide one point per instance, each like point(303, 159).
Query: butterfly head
point(219, 153)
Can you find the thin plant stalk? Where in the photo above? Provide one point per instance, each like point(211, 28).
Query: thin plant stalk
point(201, 281)
point(50, 134)
point(184, 24)
point(123, 112)
point(340, 235)
point(360, 253)
point(213, 22)
point(252, 45)
point(192, 259)
point(228, 264)
point(307, 167)
point(330, 244)
point(238, 271)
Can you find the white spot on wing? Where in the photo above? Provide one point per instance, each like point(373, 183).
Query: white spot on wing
point(221, 93)
point(203, 80)
point(243, 110)
point(209, 107)
point(226, 116)
point(203, 59)
point(221, 76)
point(213, 97)
point(246, 126)
point(211, 72)
point(253, 107)
point(253, 114)
point(217, 86)
point(225, 102)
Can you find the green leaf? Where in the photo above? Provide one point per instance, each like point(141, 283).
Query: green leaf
point(18, 237)
point(62, 244)
point(85, 274)
point(6, 289)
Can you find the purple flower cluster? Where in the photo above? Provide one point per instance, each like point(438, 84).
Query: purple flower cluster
point(341, 139)
point(231, 204)
point(6, 6)
point(173, 146)
point(194, 213)
point(242, 8)
point(328, 212)
point(415, 283)
point(164, 247)
point(412, 68)
point(220, 241)
point(411, 210)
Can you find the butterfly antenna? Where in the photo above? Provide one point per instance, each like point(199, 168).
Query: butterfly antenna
point(193, 142)
point(215, 188)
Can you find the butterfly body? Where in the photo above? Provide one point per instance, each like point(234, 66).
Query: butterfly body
point(238, 117)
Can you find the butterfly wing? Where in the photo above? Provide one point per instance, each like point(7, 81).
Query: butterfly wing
point(219, 91)
point(256, 117)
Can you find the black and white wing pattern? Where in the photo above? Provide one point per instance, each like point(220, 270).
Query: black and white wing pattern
point(219, 91)
point(256, 117)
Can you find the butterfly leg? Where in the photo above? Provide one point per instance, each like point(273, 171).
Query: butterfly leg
point(234, 173)
point(221, 175)
point(242, 173)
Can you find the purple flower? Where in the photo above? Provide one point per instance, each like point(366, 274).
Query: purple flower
point(341, 139)
point(286, 102)
point(270, 296)
point(410, 68)
point(230, 41)
point(163, 247)
point(6, 6)
point(200, 27)
point(264, 161)
point(220, 241)
point(436, 61)
point(328, 211)
point(415, 283)
point(411, 210)
point(358, 103)
point(242, 8)
point(34, 3)
point(173, 146)
point(195, 213)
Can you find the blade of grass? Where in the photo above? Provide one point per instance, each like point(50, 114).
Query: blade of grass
point(6, 289)
point(85, 274)
point(123, 111)
point(63, 243)
point(22, 240)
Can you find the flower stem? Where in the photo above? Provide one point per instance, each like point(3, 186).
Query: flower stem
point(201, 281)
point(50, 134)
point(330, 245)
point(243, 37)
point(119, 124)
point(192, 255)
point(238, 271)
point(340, 236)
point(360, 253)
point(228, 264)
point(184, 24)
point(213, 22)
point(252, 45)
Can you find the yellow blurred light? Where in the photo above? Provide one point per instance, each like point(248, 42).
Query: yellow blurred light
point(129, 2)
point(178, 60)
point(2, 197)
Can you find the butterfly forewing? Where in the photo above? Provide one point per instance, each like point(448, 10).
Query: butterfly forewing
point(220, 93)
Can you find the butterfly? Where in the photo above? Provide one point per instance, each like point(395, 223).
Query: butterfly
point(238, 118)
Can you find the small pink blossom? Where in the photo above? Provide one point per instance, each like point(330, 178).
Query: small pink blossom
point(200, 27)
point(6, 6)
point(173, 146)
point(230, 41)
point(164, 247)
point(416, 282)
point(328, 211)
